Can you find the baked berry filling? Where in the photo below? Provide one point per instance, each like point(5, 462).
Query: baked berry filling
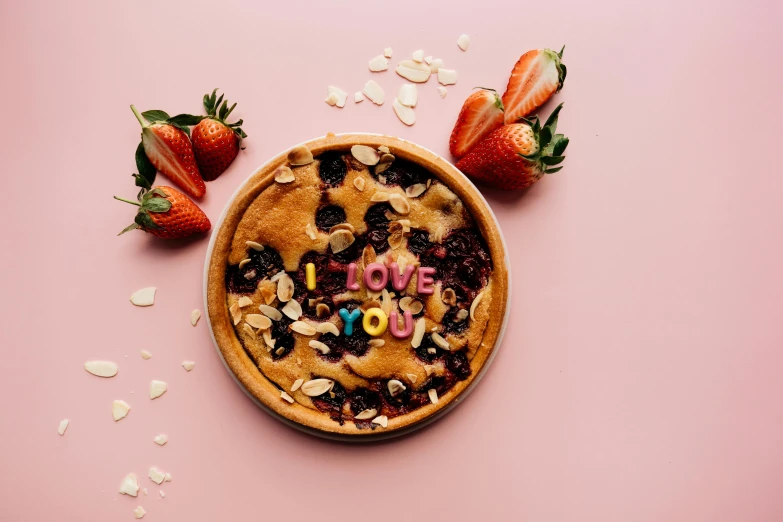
point(332, 168)
point(263, 264)
point(329, 216)
point(403, 173)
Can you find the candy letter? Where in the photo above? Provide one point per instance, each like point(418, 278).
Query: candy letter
point(369, 276)
point(349, 318)
point(423, 280)
point(371, 314)
point(394, 323)
point(399, 282)
point(350, 282)
point(310, 276)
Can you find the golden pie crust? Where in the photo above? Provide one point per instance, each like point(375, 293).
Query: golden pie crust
point(277, 215)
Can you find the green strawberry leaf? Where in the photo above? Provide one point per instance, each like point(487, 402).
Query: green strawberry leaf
point(223, 110)
point(142, 182)
point(157, 205)
point(229, 111)
point(155, 115)
point(552, 160)
point(144, 220)
point(144, 165)
point(544, 137)
point(184, 129)
point(158, 192)
point(552, 171)
point(560, 146)
point(552, 120)
point(185, 120)
point(134, 226)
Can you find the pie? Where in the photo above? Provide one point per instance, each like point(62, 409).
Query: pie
point(336, 206)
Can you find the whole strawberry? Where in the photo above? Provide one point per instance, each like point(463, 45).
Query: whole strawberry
point(517, 155)
point(536, 76)
point(215, 142)
point(166, 212)
point(167, 146)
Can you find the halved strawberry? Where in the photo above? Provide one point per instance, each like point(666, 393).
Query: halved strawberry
point(481, 113)
point(535, 78)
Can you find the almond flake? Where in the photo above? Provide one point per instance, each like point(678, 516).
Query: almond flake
point(250, 275)
point(428, 60)
point(161, 439)
point(395, 387)
point(381, 420)
point(119, 410)
point(244, 262)
point(249, 331)
point(368, 256)
point(461, 316)
point(412, 377)
point(418, 333)
point(417, 56)
point(157, 388)
point(379, 63)
point(286, 397)
point(157, 476)
point(383, 149)
point(258, 247)
point(399, 204)
point(386, 302)
point(429, 369)
point(129, 485)
point(340, 240)
point(277, 276)
point(236, 313)
point(139, 512)
point(387, 52)
point(283, 174)
point(292, 309)
point(416, 307)
point(244, 301)
point(331, 99)
point(167, 478)
point(447, 76)
point(383, 165)
point(317, 387)
point(359, 184)
point(442, 91)
point(437, 236)
point(474, 305)
point(449, 297)
point(414, 71)
point(270, 312)
point(300, 155)
point(259, 321)
point(285, 288)
point(408, 95)
point(415, 190)
point(374, 92)
point(433, 395)
point(358, 97)
point(367, 414)
point(376, 343)
point(381, 178)
point(310, 231)
point(322, 311)
point(463, 42)
point(405, 303)
point(339, 94)
point(436, 64)
point(405, 114)
point(440, 341)
point(296, 385)
point(390, 216)
point(195, 315)
point(302, 328)
point(366, 155)
point(62, 426)
point(318, 345)
point(331, 328)
point(343, 226)
point(188, 365)
point(395, 239)
point(144, 297)
point(161, 493)
point(101, 368)
point(267, 335)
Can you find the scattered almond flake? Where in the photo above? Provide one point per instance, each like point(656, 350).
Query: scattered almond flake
point(376, 343)
point(167, 478)
point(161, 439)
point(244, 301)
point(414, 71)
point(474, 305)
point(436, 64)
point(162, 494)
point(195, 315)
point(442, 91)
point(283, 174)
point(286, 397)
point(381, 420)
point(417, 56)
point(139, 512)
point(331, 99)
point(447, 76)
point(418, 332)
point(432, 392)
point(271, 312)
point(296, 385)
point(366, 155)
point(429, 182)
point(343, 226)
point(250, 275)
point(302, 328)
point(390, 216)
point(437, 236)
point(328, 328)
point(292, 309)
point(379, 196)
point(381, 178)
point(461, 316)
point(359, 183)
point(300, 155)
point(249, 331)
point(368, 256)
point(383, 149)
point(129, 485)
point(317, 387)
point(374, 92)
point(285, 288)
point(405, 114)
point(434, 329)
point(405, 303)
point(157, 388)
point(386, 302)
point(267, 335)
point(463, 42)
point(385, 162)
point(188, 365)
point(395, 240)
point(244, 262)
point(236, 313)
point(366, 414)
point(339, 240)
point(379, 63)
point(119, 410)
point(387, 52)
point(412, 377)
point(156, 475)
point(144, 297)
point(322, 311)
point(298, 361)
point(415, 190)
point(408, 95)
point(432, 350)
point(399, 204)
point(358, 97)
point(449, 297)
point(428, 60)
point(258, 247)
point(321, 347)
point(310, 231)
point(62, 426)
point(440, 341)
point(406, 227)
point(259, 321)
point(429, 369)
point(339, 95)
point(416, 307)
point(101, 368)
point(395, 387)
point(277, 276)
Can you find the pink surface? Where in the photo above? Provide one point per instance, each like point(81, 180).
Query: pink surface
point(640, 378)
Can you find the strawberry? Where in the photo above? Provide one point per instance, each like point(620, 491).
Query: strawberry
point(166, 212)
point(215, 142)
point(167, 146)
point(481, 113)
point(515, 156)
point(536, 77)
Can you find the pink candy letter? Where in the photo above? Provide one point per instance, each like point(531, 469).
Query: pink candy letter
point(394, 324)
point(369, 273)
point(350, 282)
point(400, 281)
point(423, 280)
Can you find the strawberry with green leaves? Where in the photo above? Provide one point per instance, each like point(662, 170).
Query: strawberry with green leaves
point(517, 155)
point(216, 142)
point(165, 212)
point(537, 75)
point(481, 113)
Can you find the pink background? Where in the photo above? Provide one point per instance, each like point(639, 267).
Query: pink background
point(640, 378)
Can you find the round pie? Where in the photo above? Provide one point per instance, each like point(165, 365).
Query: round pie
point(357, 285)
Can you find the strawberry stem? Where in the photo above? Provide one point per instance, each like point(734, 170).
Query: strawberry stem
point(127, 200)
point(144, 124)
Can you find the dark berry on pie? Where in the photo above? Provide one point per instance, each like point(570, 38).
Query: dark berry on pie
point(332, 168)
point(376, 215)
point(329, 216)
point(458, 364)
point(363, 399)
point(419, 241)
point(404, 174)
point(331, 401)
point(263, 263)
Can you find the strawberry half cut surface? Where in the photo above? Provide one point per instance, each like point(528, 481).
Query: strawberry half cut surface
point(481, 113)
point(167, 146)
point(536, 76)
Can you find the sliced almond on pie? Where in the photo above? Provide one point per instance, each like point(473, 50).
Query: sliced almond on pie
point(300, 155)
point(244, 301)
point(271, 312)
point(366, 155)
point(283, 174)
point(379, 197)
point(433, 395)
point(461, 316)
point(244, 262)
point(415, 190)
point(376, 343)
point(292, 309)
point(340, 240)
point(310, 231)
point(286, 397)
point(328, 328)
point(267, 335)
point(268, 293)
point(418, 332)
point(259, 321)
point(475, 304)
point(395, 387)
point(414, 71)
point(322, 311)
point(285, 288)
point(449, 297)
point(236, 313)
point(302, 328)
point(368, 256)
point(249, 331)
point(254, 245)
point(429, 369)
point(343, 226)
point(359, 182)
point(318, 345)
point(317, 387)
point(383, 165)
point(399, 203)
point(296, 385)
point(381, 420)
point(440, 341)
point(367, 414)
